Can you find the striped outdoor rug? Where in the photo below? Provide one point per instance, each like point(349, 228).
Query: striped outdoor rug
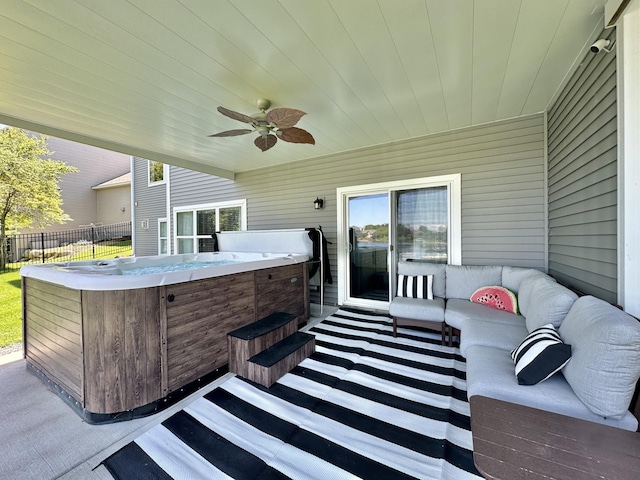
point(365, 405)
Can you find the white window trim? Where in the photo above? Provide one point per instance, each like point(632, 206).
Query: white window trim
point(167, 238)
point(165, 174)
point(207, 206)
point(453, 182)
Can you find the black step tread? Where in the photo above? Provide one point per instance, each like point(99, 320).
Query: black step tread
point(262, 326)
point(282, 349)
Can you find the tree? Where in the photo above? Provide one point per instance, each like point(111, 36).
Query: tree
point(29, 193)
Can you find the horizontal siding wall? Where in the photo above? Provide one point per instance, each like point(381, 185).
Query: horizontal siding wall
point(582, 143)
point(152, 204)
point(503, 188)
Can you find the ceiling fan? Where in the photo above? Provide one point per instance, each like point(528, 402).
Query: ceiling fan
point(277, 123)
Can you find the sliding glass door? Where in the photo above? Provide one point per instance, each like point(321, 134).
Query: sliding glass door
point(422, 225)
point(380, 224)
point(368, 230)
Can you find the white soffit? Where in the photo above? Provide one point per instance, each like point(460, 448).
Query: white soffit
point(144, 77)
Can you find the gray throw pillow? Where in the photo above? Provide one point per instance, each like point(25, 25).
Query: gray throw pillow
point(605, 359)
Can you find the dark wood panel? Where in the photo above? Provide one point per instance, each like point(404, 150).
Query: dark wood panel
point(53, 341)
point(198, 317)
point(71, 347)
point(54, 296)
point(123, 351)
point(57, 368)
point(94, 356)
point(240, 350)
point(214, 294)
point(267, 376)
point(186, 367)
point(115, 358)
point(514, 441)
point(283, 289)
point(68, 330)
point(154, 334)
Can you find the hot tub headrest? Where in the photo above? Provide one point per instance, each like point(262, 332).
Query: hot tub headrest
point(266, 241)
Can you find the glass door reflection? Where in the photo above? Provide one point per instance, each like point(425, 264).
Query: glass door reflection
point(368, 221)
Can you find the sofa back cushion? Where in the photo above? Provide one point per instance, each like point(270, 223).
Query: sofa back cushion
point(547, 302)
point(463, 280)
point(423, 268)
point(512, 276)
point(525, 291)
point(605, 361)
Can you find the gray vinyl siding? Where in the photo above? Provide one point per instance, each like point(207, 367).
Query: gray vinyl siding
point(95, 165)
point(151, 204)
point(582, 146)
point(503, 188)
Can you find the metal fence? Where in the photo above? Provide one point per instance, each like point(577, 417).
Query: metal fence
point(85, 243)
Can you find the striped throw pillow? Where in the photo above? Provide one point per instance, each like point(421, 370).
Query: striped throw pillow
point(419, 286)
point(541, 354)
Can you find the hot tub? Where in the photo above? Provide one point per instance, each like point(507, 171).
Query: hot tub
point(126, 337)
point(142, 272)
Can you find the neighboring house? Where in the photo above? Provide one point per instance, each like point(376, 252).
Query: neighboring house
point(113, 200)
point(527, 186)
point(81, 190)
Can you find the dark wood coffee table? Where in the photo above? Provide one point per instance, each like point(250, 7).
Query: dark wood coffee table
point(513, 442)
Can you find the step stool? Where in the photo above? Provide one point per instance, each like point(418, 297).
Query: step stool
point(269, 365)
point(245, 342)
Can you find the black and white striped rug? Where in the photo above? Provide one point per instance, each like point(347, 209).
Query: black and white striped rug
point(365, 405)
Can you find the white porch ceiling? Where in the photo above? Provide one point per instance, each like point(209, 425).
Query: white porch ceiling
point(144, 77)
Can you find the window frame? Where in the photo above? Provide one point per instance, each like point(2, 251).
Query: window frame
point(194, 209)
point(160, 237)
point(454, 190)
point(164, 174)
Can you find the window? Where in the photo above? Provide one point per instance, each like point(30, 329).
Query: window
point(163, 237)
point(196, 225)
point(156, 172)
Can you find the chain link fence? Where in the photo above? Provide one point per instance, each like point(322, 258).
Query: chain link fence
point(85, 243)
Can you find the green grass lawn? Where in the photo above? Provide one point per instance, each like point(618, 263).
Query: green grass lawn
point(11, 317)
point(11, 296)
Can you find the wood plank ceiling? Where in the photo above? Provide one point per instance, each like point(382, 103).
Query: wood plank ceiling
point(145, 76)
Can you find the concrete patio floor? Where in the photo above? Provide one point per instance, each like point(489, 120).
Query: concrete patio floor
point(41, 437)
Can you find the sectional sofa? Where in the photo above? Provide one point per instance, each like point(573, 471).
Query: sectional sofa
point(593, 379)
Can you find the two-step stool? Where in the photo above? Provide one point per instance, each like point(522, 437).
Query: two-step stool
point(265, 350)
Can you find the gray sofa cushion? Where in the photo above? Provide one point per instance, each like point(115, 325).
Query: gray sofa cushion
point(513, 276)
point(458, 311)
point(549, 303)
point(423, 268)
point(504, 336)
point(491, 373)
point(463, 280)
point(525, 291)
point(605, 361)
point(417, 308)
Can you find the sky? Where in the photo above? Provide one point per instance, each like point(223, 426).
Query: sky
point(368, 210)
point(418, 207)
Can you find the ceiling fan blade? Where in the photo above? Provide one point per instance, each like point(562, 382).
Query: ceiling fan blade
point(237, 116)
point(232, 133)
point(296, 135)
point(266, 142)
point(284, 117)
